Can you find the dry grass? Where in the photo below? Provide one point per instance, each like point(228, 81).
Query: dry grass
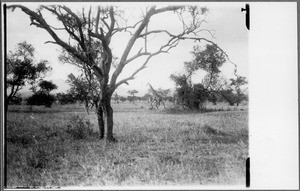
point(154, 148)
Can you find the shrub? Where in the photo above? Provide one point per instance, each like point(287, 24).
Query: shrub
point(80, 128)
point(16, 100)
point(41, 98)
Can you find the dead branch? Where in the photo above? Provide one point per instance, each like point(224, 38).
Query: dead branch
point(37, 18)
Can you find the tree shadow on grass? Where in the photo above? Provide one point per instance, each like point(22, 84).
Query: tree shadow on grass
point(217, 136)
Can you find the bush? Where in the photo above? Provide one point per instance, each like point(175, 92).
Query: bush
point(65, 98)
point(41, 98)
point(80, 128)
point(16, 100)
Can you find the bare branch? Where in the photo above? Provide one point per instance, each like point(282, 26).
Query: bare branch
point(168, 8)
point(62, 19)
point(207, 30)
point(112, 24)
point(126, 28)
point(43, 24)
point(104, 22)
point(79, 23)
point(134, 73)
point(146, 38)
point(50, 42)
point(56, 28)
point(204, 39)
point(139, 54)
point(156, 31)
point(168, 45)
point(97, 20)
point(130, 45)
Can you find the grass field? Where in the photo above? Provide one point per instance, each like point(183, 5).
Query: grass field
point(59, 146)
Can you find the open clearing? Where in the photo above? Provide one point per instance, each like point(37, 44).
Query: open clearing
point(59, 147)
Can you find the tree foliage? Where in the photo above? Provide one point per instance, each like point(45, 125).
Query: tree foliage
point(16, 100)
point(132, 98)
point(65, 98)
point(193, 95)
point(236, 91)
point(47, 86)
point(22, 69)
point(42, 96)
point(132, 92)
point(210, 60)
point(84, 89)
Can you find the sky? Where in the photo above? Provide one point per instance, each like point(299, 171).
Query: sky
point(225, 19)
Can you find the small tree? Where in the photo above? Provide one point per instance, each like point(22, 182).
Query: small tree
point(22, 69)
point(84, 89)
point(42, 96)
point(238, 86)
point(235, 91)
point(132, 98)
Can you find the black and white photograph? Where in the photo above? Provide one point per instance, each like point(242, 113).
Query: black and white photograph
point(114, 95)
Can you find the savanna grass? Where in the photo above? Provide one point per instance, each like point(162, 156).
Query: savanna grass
point(154, 148)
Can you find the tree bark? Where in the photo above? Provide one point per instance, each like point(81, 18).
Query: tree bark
point(100, 121)
point(108, 116)
point(105, 117)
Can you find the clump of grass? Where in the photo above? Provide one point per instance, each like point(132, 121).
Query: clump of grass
point(211, 131)
point(18, 132)
point(80, 128)
point(218, 136)
point(177, 109)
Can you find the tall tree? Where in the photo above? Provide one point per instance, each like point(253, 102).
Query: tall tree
point(209, 59)
point(22, 69)
point(99, 26)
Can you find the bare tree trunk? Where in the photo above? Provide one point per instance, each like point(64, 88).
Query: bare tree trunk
point(86, 104)
point(108, 115)
point(105, 117)
point(100, 121)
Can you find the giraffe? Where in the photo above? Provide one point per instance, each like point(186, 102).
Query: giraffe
point(155, 97)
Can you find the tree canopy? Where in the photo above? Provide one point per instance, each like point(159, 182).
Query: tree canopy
point(42, 96)
point(22, 69)
point(193, 95)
